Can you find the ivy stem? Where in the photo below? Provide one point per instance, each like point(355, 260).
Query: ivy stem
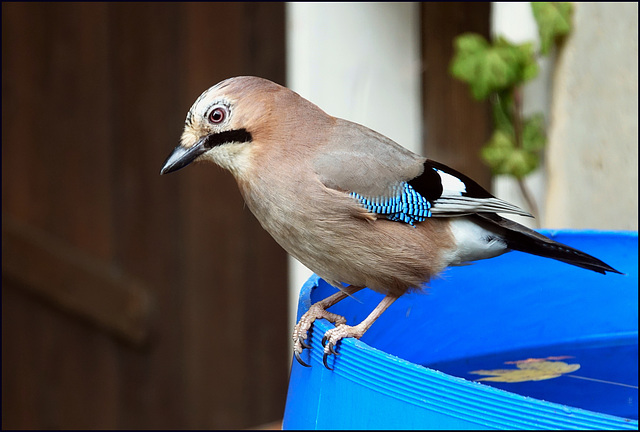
point(517, 116)
point(518, 127)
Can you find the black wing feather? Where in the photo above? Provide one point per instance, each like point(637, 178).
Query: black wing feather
point(428, 184)
point(459, 196)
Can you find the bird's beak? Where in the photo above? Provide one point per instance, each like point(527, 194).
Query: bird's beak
point(182, 156)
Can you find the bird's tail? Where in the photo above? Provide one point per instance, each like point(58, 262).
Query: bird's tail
point(518, 237)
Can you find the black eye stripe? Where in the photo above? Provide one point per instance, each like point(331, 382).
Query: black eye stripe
point(238, 135)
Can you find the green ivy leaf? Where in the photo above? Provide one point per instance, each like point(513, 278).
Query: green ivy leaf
point(521, 163)
point(533, 134)
point(469, 49)
point(528, 66)
point(554, 21)
point(523, 59)
point(501, 105)
point(504, 157)
point(470, 53)
point(491, 68)
point(497, 151)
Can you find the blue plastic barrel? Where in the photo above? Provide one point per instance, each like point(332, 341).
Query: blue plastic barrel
point(446, 359)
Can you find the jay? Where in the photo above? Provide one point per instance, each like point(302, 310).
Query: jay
point(353, 206)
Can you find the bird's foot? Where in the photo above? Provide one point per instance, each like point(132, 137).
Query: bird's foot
point(334, 335)
point(300, 331)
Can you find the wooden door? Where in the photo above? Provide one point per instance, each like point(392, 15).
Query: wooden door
point(131, 300)
point(456, 125)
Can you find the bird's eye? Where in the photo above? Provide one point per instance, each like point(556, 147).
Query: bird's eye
point(218, 115)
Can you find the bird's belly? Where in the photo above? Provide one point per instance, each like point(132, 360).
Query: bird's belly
point(324, 229)
point(385, 256)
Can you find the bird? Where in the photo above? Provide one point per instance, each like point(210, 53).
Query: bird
point(353, 206)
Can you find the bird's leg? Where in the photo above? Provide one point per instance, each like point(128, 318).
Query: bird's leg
point(342, 330)
point(316, 311)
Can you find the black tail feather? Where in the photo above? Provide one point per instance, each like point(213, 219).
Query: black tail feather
point(518, 237)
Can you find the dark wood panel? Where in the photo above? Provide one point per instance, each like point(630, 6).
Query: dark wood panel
point(57, 371)
point(145, 46)
point(57, 116)
point(94, 97)
point(56, 374)
point(74, 281)
point(244, 264)
point(216, 218)
point(456, 126)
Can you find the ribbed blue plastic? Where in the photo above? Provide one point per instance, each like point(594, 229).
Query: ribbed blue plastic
point(516, 300)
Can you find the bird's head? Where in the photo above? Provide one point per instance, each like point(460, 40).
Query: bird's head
point(225, 122)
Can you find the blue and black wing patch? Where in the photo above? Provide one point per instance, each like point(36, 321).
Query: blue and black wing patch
point(439, 191)
point(406, 205)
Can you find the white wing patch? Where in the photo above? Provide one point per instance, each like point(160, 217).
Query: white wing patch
point(452, 202)
point(451, 184)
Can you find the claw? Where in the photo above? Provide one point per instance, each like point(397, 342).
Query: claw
point(296, 354)
point(303, 343)
point(332, 350)
point(324, 340)
point(329, 349)
point(324, 360)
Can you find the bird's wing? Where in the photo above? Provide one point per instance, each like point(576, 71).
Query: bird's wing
point(454, 194)
point(395, 183)
point(358, 159)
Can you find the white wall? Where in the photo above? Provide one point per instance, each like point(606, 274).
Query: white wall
point(592, 153)
point(361, 62)
point(589, 94)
